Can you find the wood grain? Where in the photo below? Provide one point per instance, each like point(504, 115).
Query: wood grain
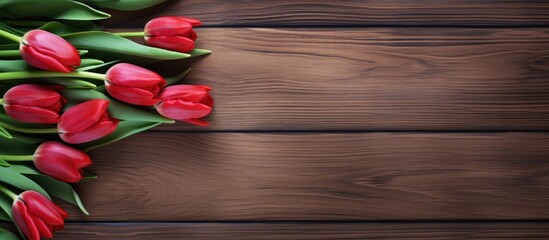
point(375, 176)
point(292, 231)
point(349, 12)
point(375, 79)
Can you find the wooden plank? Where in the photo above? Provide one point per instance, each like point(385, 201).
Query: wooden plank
point(350, 12)
point(373, 176)
point(375, 79)
point(289, 231)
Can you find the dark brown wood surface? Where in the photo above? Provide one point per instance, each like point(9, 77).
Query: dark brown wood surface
point(375, 79)
point(305, 231)
point(370, 176)
point(352, 119)
point(350, 12)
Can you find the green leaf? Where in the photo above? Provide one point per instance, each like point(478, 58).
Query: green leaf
point(123, 5)
point(5, 208)
point(199, 52)
point(87, 177)
point(117, 109)
point(18, 180)
point(11, 30)
point(55, 188)
point(7, 235)
point(3, 163)
point(16, 147)
point(113, 47)
point(177, 78)
point(86, 62)
point(124, 129)
point(21, 65)
point(61, 28)
point(92, 67)
point(4, 133)
point(54, 9)
point(70, 83)
point(27, 139)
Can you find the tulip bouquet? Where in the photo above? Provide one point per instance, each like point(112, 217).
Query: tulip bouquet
point(68, 87)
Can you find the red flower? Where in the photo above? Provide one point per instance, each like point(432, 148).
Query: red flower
point(33, 103)
point(172, 33)
point(86, 122)
point(61, 162)
point(133, 84)
point(36, 216)
point(186, 103)
point(48, 51)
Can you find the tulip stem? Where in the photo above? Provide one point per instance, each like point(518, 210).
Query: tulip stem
point(9, 53)
point(130, 34)
point(45, 74)
point(17, 158)
point(1, 101)
point(29, 130)
point(9, 193)
point(10, 36)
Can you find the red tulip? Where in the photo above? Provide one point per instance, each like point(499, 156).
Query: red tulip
point(48, 51)
point(172, 33)
point(61, 162)
point(34, 103)
point(186, 103)
point(86, 122)
point(36, 216)
point(133, 84)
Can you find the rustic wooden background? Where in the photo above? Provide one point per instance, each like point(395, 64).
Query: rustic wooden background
point(350, 119)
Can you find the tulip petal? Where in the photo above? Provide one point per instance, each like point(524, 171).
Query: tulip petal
point(31, 114)
point(129, 75)
point(182, 110)
point(42, 208)
point(59, 169)
point(23, 220)
point(193, 36)
point(135, 96)
point(197, 122)
point(168, 26)
point(82, 116)
point(193, 21)
point(45, 230)
point(94, 132)
point(35, 95)
point(39, 60)
point(51, 45)
point(175, 43)
point(189, 93)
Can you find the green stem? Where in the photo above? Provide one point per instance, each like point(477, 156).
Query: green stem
point(130, 34)
point(45, 74)
point(9, 193)
point(9, 53)
point(10, 36)
point(1, 101)
point(17, 158)
point(28, 130)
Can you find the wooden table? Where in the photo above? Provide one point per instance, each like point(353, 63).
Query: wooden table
point(387, 119)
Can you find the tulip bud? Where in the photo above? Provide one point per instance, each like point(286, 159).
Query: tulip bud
point(61, 162)
point(186, 103)
point(36, 216)
point(34, 103)
point(133, 84)
point(172, 33)
point(86, 122)
point(48, 51)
